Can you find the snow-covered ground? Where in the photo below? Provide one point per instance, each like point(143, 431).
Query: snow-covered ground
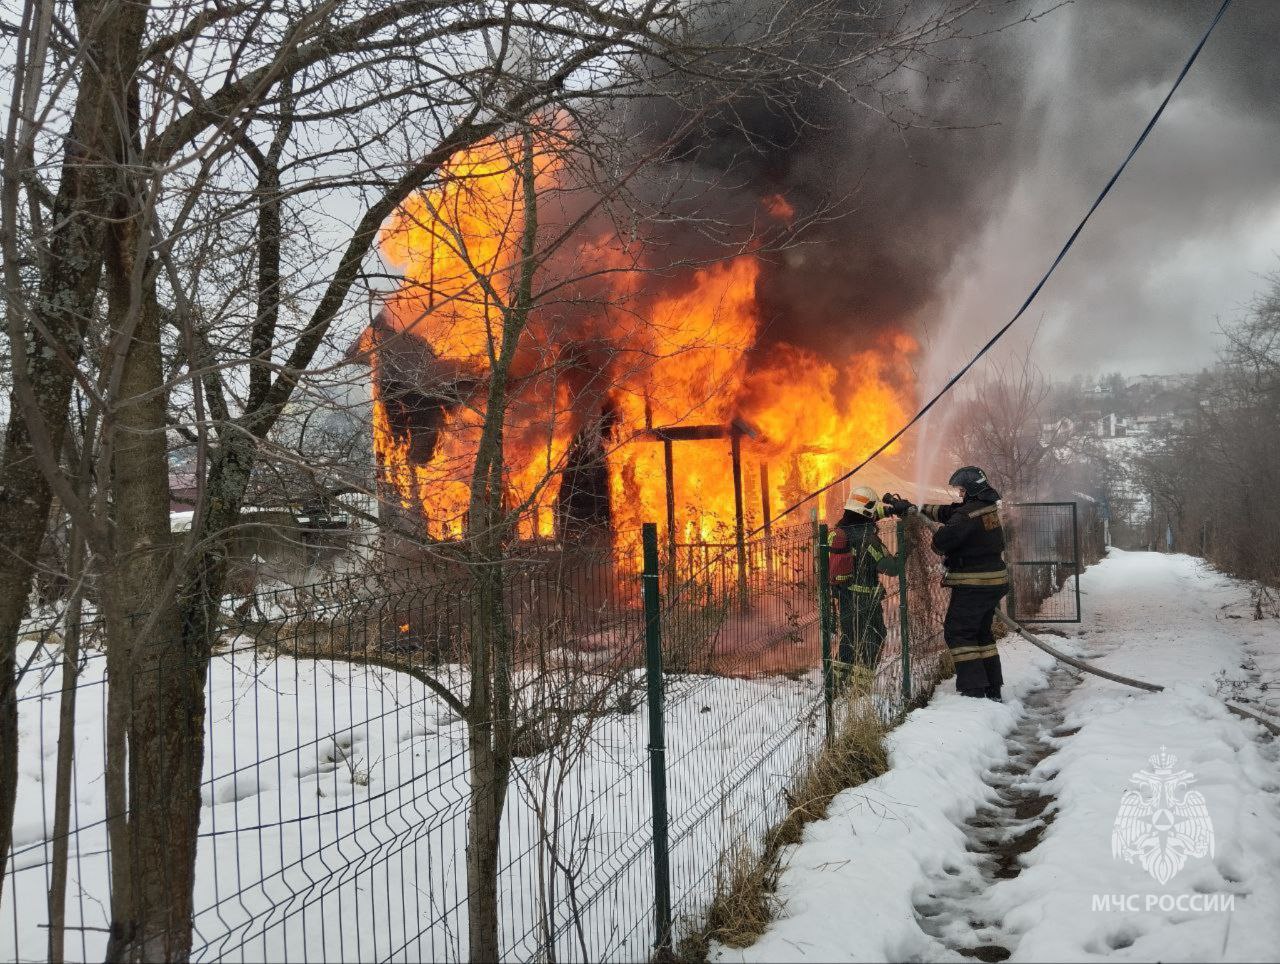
point(992, 834)
point(335, 805)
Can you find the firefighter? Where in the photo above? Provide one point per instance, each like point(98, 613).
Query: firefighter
point(857, 558)
point(971, 541)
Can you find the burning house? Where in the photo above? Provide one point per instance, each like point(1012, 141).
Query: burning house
point(618, 354)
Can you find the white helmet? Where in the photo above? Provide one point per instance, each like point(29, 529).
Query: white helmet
point(862, 501)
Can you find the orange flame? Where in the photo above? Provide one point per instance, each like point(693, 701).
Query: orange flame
point(457, 244)
point(692, 355)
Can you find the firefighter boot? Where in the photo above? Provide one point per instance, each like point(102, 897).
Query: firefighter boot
point(993, 693)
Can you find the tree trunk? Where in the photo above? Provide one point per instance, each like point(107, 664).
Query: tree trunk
point(156, 683)
point(489, 723)
point(62, 780)
point(489, 718)
point(94, 149)
point(484, 834)
point(64, 788)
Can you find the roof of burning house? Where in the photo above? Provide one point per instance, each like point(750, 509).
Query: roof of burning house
point(406, 359)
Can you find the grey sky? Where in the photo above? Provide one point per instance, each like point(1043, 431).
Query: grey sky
point(1187, 233)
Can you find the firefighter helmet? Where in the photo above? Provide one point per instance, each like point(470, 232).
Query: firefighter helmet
point(969, 479)
point(862, 501)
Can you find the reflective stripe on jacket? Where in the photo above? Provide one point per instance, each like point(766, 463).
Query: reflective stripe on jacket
point(971, 542)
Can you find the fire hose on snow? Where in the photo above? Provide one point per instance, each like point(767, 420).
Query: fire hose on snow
point(1080, 664)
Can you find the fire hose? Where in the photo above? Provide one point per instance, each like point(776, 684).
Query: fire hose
point(1080, 664)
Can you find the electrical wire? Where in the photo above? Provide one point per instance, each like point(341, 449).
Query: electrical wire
point(1000, 333)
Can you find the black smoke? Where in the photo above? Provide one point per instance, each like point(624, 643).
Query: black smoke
point(1026, 108)
point(887, 182)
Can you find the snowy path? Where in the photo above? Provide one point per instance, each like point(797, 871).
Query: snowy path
point(954, 908)
point(990, 838)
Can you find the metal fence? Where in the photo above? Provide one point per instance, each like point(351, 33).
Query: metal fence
point(336, 779)
point(1049, 544)
point(736, 730)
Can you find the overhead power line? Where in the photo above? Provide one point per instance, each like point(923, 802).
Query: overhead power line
point(1000, 333)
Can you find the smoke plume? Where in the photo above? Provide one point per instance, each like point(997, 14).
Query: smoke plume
point(958, 177)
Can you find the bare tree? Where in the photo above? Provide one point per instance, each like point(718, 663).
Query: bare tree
point(1213, 481)
point(999, 426)
point(192, 200)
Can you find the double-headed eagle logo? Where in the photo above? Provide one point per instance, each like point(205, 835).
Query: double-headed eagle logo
point(1162, 824)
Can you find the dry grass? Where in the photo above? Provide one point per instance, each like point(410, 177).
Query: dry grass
point(741, 908)
point(745, 880)
point(856, 755)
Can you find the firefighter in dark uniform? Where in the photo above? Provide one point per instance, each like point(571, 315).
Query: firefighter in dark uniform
point(857, 559)
point(971, 541)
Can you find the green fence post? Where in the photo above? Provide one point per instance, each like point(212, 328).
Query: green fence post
point(904, 614)
point(824, 626)
point(1075, 546)
point(657, 743)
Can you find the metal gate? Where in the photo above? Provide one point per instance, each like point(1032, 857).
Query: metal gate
point(1043, 554)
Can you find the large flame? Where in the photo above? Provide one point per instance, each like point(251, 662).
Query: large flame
point(458, 246)
point(659, 351)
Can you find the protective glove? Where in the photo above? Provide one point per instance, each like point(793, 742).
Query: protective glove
point(897, 504)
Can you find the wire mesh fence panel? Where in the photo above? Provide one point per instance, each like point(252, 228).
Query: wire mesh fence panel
point(576, 863)
point(339, 784)
point(336, 786)
point(1043, 556)
point(745, 710)
point(744, 701)
point(912, 659)
point(892, 681)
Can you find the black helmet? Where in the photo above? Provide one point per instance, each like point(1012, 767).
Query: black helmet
point(970, 478)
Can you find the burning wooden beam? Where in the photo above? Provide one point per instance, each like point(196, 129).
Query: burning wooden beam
point(734, 432)
point(767, 509)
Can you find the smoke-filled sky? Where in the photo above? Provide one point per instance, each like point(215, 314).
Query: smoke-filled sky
point(1184, 238)
point(953, 218)
point(958, 178)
